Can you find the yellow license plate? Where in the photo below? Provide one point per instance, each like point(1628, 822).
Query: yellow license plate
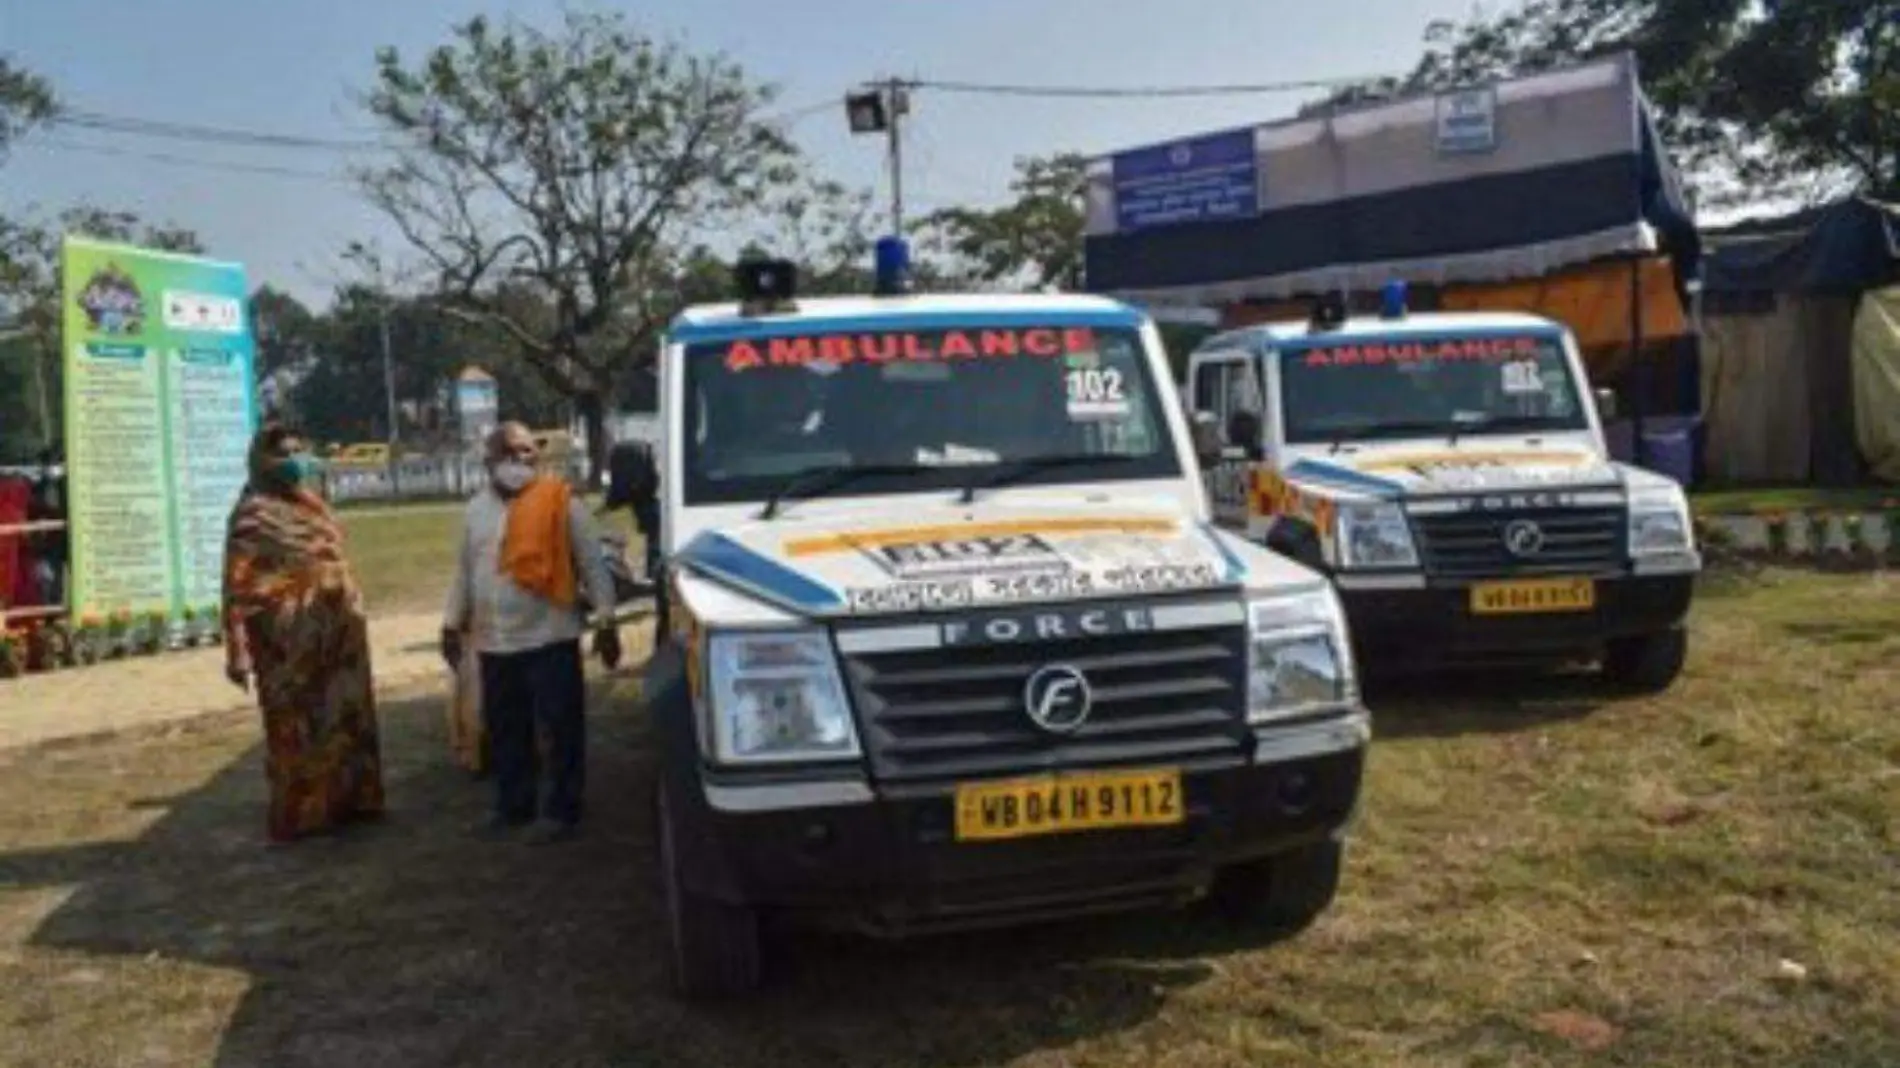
point(1541, 595)
point(1090, 801)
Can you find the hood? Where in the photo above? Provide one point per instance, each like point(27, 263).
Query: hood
point(946, 558)
point(1410, 470)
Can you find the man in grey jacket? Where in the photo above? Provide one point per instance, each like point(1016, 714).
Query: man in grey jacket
point(529, 645)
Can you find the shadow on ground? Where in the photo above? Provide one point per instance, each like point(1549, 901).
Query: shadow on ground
point(1494, 702)
point(411, 943)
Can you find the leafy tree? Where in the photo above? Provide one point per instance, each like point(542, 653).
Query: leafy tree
point(26, 100)
point(30, 291)
point(573, 167)
point(1035, 239)
point(1760, 100)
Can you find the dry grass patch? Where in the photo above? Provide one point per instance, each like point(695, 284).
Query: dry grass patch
point(1710, 878)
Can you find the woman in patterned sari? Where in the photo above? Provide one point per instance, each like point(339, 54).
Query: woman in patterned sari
point(294, 625)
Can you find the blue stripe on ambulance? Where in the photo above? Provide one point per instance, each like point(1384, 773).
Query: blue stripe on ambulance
point(722, 558)
point(1343, 478)
point(1236, 568)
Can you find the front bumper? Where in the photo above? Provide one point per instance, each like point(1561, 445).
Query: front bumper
point(885, 862)
point(1428, 623)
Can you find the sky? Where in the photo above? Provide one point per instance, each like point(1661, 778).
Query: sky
point(293, 67)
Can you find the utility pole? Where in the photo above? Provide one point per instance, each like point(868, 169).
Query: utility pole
point(882, 109)
point(899, 96)
point(373, 259)
point(389, 366)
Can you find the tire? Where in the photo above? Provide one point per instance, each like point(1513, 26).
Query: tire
point(1283, 894)
point(714, 948)
point(1648, 664)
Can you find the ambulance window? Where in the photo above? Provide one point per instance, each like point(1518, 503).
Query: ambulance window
point(1208, 380)
point(1224, 387)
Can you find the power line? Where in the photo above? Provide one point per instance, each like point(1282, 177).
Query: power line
point(1148, 91)
point(101, 122)
point(185, 161)
point(92, 120)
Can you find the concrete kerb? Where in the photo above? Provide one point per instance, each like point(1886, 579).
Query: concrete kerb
point(181, 688)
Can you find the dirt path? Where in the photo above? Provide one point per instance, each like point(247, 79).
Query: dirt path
point(125, 694)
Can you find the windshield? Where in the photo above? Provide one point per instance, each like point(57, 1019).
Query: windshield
point(1417, 386)
point(921, 410)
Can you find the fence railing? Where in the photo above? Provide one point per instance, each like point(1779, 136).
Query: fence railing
point(415, 477)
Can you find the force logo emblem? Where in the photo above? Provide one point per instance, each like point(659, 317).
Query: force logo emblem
point(1057, 698)
point(1523, 538)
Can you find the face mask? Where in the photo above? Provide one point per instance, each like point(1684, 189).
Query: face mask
point(296, 469)
point(512, 476)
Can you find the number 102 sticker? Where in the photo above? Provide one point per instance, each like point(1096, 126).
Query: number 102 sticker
point(1096, 393)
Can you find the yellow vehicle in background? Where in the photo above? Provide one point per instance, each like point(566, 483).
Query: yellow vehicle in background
point(361, 454)
point(555, 446)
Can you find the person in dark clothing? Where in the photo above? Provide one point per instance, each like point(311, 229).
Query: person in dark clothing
point(634, 484)
point(529, 567)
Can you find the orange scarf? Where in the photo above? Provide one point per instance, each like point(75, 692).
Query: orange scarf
point(534, 545)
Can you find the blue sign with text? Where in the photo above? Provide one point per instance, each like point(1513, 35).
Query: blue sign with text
point(1201, 179)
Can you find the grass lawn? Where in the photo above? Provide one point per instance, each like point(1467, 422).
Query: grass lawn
point(1550, 878)
point(1748, 501)
point(404, 554)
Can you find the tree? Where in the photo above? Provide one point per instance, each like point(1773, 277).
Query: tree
point(1758, 100)
point(30, 288)
point(26, 100)
point(573, 167)
point(1036, 239)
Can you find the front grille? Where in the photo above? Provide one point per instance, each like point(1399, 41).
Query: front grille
point(1472, 544)
point(955, 713)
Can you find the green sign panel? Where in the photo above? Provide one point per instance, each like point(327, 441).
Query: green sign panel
point(160, 409)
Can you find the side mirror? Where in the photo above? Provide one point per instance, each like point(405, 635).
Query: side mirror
point(1208, 441)
point(1606, 405)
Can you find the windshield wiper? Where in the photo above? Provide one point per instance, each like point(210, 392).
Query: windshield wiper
point(1501, 423)
point(823, 478)
point(1398, 428)
point(1016, 470)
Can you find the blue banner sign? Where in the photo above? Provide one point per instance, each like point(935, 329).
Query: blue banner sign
point(1200, 179)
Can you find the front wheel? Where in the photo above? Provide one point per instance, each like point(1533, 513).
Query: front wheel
point(714, 947)
point(1648, 664)
point(1281, 894)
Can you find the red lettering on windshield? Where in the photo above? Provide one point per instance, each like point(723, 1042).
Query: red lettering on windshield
point(957, 346)
point(836, 348)
point(743, 356)
point(915, 348)
point(1375, 354)
point(791, 351)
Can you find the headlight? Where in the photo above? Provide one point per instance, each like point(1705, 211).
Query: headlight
point(1659, 522)
point(777, 697)
point(1299, 660)
point(1375, 535)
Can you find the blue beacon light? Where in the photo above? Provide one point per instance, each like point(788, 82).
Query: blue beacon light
point(1392, 300)
point(892, 266)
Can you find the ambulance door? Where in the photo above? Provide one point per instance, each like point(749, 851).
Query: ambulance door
point(1224, 388)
